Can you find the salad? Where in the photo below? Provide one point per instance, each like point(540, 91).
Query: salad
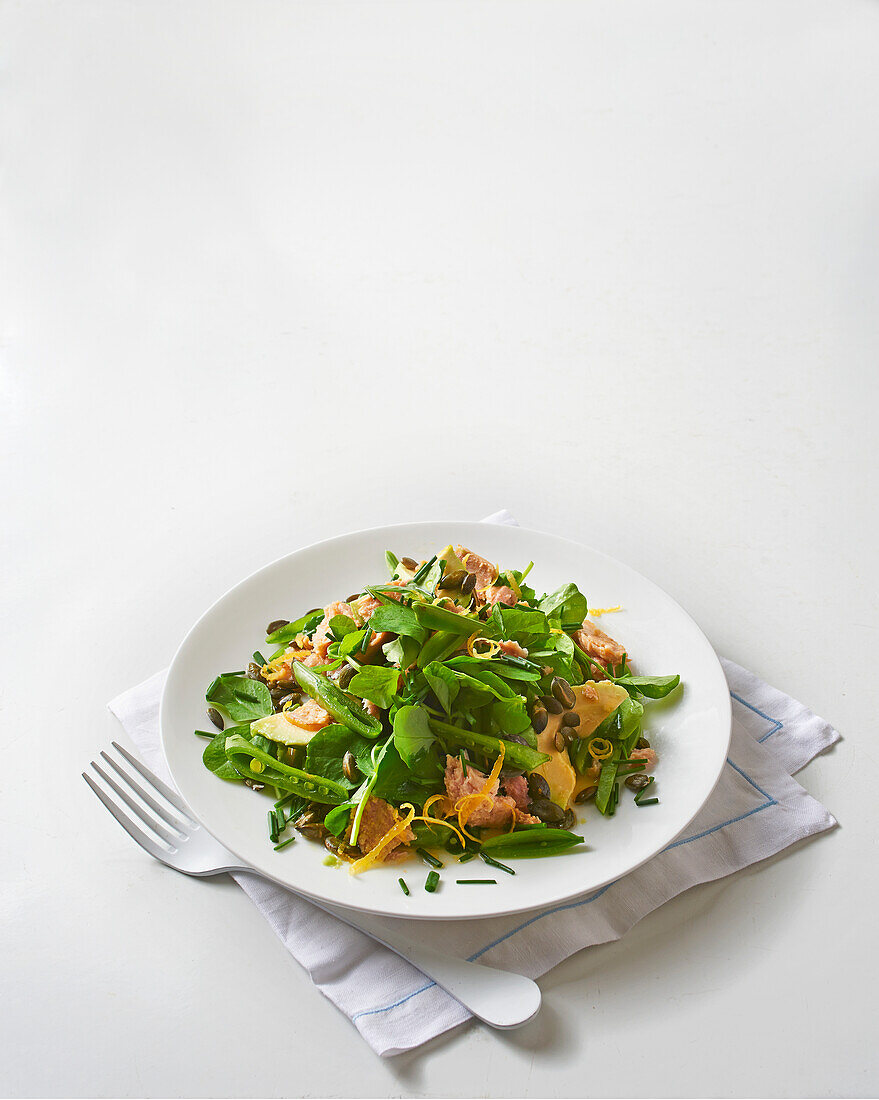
point(450, 708)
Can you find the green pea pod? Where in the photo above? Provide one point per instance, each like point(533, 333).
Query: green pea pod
point(439, 618)
point(531, 843)
point(437, 647)
point(515, 755)
point(335, 701)
point(240, 752)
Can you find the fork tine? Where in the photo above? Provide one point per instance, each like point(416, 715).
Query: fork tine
point(163, 812)
point(150, 822)
point(147, 843)
point(163, 789)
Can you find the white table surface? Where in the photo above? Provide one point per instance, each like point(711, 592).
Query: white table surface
point(272, 271)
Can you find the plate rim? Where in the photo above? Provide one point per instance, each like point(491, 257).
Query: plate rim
point(320, 899)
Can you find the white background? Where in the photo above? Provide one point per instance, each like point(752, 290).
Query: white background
point(271, 272)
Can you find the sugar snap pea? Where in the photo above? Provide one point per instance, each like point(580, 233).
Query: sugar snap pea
point(515, 755)
point(531, 843)
point(335, 701)
point(240, 752)
point(440, 618)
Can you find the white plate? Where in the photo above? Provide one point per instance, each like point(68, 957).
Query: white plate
point(690, 731)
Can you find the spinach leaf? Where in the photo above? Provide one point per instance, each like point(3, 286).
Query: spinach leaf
point(651, 687)
point(567, 604)
point(398, 619)
point(413, 737)
point(444, 684)
point(325, 750)
point(304, 625)
point(397, 783)
point(376, 683)
point(241, 698)
point(214, 756)
point(517, 623)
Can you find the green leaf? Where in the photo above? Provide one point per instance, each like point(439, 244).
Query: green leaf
point(325, 750)
point(342, 625)
point(241, 698)
point(392, 561)
point(444, 684)
point(376, 683)
point(306, 624)
point(517, 623)
point(214, 755)
point(396, 782)
point(413, 737)
point(352, 642)
point(397, 619)
point(651, 687)
point(401, 651)
point(438, 647)
point(511, 716)
point(240, 752)
point(567, 604)
point(338, 817)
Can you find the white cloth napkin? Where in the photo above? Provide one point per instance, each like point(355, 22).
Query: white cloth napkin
point(756, 810)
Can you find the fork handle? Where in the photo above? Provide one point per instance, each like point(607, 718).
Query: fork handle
point(498, 997)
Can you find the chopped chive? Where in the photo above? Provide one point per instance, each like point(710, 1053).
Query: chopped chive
point(403, 886)
point(463, 760)
point(258, 657)
point(284, 843)
point(640, 800)
point(467, 856)
point(273, 827)
point(201, 733)
point(424, 570)
point(486, 858)
point(431, 882)
point(477, 881)
point(429, 859)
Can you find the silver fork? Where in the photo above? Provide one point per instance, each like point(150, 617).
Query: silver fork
point(137, 798)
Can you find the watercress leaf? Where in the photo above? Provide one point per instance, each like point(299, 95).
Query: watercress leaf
point(325, 750)
point(352, 642)
point(652, 687)
point(338, 817)
point(376, 683)
point(241, 698)
point(397, 619)
point(413, 737)
point(341, 625)
point(304, 625)
point(444, 684)
point(511, 716)
point(401, 651)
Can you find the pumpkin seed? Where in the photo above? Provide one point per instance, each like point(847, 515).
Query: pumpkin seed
point(349, 767)
point(468, 583)
point(216, 717)
point(539, 718)
point(409, 563)
point(563, 691)
point(570, 718)
point(643, 743)
point(276, 624)
point(559, 741)
point(254, 671)
point(570, 820)
point(638, 781)
point(547, 811)
point(346, 676)
point(537, 786)
point(453, 580)
point(552, 704)
point(586, 794)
